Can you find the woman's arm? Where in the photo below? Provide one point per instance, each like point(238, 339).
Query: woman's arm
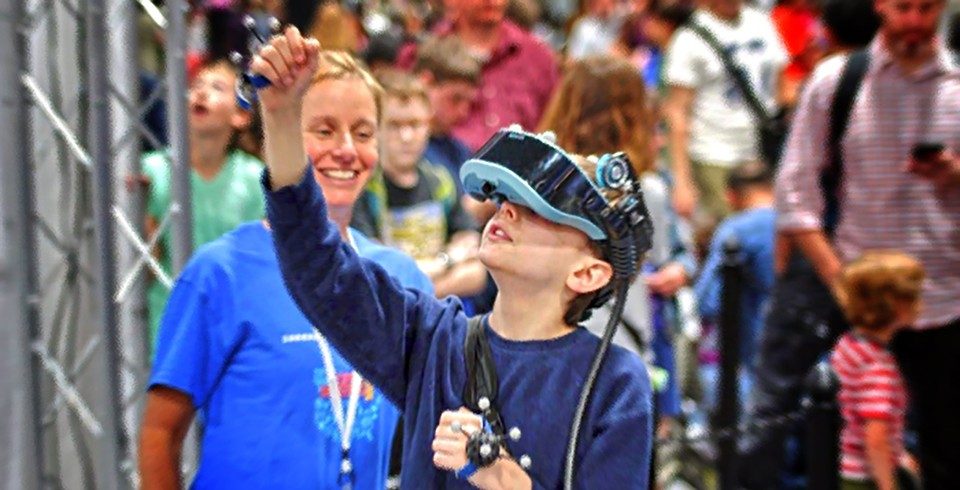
point(165, 424)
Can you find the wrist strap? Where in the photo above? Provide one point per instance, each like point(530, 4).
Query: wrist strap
point(466, 471)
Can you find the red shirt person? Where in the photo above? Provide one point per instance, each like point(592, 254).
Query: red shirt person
point(518, 75)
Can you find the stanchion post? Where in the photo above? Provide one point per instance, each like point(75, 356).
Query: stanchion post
point(823, 428)
point(728, 409)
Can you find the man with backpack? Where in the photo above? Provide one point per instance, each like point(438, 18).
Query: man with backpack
point(870, 164)
point(723, 69)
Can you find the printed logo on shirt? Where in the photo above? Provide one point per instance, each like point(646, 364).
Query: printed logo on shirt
point(368, 406)
point(751, 56)
point(291, 338)
point(418, 230)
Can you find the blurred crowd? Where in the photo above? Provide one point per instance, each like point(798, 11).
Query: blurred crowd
point(728, 111)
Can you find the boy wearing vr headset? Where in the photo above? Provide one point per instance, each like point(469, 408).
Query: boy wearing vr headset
point(556, 247)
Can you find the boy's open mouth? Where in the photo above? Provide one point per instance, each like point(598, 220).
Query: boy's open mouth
point(497, 233)
point(200, 109)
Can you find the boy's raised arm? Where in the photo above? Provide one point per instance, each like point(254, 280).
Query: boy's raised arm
point(381, 328)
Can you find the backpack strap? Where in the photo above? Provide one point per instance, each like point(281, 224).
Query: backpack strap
point(847, 88)
point(735, 71)
point(482, 380)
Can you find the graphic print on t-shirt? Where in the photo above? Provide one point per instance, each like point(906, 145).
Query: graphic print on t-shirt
point(418, 230)
point(759, 71)
point(368, 406)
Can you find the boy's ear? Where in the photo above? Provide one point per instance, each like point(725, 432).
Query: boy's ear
point(589, 276)
point(241, 119)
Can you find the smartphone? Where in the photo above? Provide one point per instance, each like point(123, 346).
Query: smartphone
point(927, 150)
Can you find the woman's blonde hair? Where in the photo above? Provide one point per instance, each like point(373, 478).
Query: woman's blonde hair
point(341, 65)
point(874, 288)
point(601, 107)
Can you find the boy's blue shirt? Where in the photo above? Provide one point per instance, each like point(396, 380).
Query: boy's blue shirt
point(754, 230)
point(411, 346)
point(235, 342)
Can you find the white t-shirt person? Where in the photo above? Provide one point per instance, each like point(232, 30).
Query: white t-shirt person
point(722, 128)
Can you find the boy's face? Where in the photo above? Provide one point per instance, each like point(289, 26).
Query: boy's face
point(735, 200)
point(340, 137)
point(406, 131)
point(451, 101)
point(212, 103)
point(518, 242)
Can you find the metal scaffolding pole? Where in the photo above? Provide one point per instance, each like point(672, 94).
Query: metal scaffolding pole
point(73, 118)
point(100, 146)
point(21, 454)
point(127, 136)
point(179, 139)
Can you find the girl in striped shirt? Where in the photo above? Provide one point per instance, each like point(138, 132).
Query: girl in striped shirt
point(880, 295)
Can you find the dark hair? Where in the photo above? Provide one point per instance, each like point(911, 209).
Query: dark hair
point(676, 12)
point(852, 23)
point(383, 47)
point(749, 174)
point(953, 32)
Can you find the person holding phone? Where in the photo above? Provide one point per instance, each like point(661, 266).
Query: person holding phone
point(899, 190)
point(935, 162)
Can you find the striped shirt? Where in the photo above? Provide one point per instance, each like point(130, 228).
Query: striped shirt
point(870, 389)
point(883, 206)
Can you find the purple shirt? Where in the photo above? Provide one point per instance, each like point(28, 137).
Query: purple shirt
point(515, 84)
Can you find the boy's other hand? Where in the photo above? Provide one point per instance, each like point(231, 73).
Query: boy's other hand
point(289, 61)
point(450, 446)
point(450, 453)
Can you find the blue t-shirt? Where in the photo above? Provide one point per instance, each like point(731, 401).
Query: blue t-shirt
point(754, 230)
point(233, 339)
point(411, 346)
point(449, 152)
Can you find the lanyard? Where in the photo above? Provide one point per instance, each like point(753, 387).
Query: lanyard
point(344, 422)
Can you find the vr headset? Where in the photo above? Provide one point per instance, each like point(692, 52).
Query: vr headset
point(532, 171)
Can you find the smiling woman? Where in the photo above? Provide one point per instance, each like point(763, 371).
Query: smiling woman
point(341, 112)
point(234, 346)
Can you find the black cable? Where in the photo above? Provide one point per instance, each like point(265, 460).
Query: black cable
point(598, 358)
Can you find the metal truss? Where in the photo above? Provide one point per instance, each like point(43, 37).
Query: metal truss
point(74, 268)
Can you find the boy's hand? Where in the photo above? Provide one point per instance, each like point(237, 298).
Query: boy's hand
point(450, 453)
point(289, 61)
point(450, 446)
